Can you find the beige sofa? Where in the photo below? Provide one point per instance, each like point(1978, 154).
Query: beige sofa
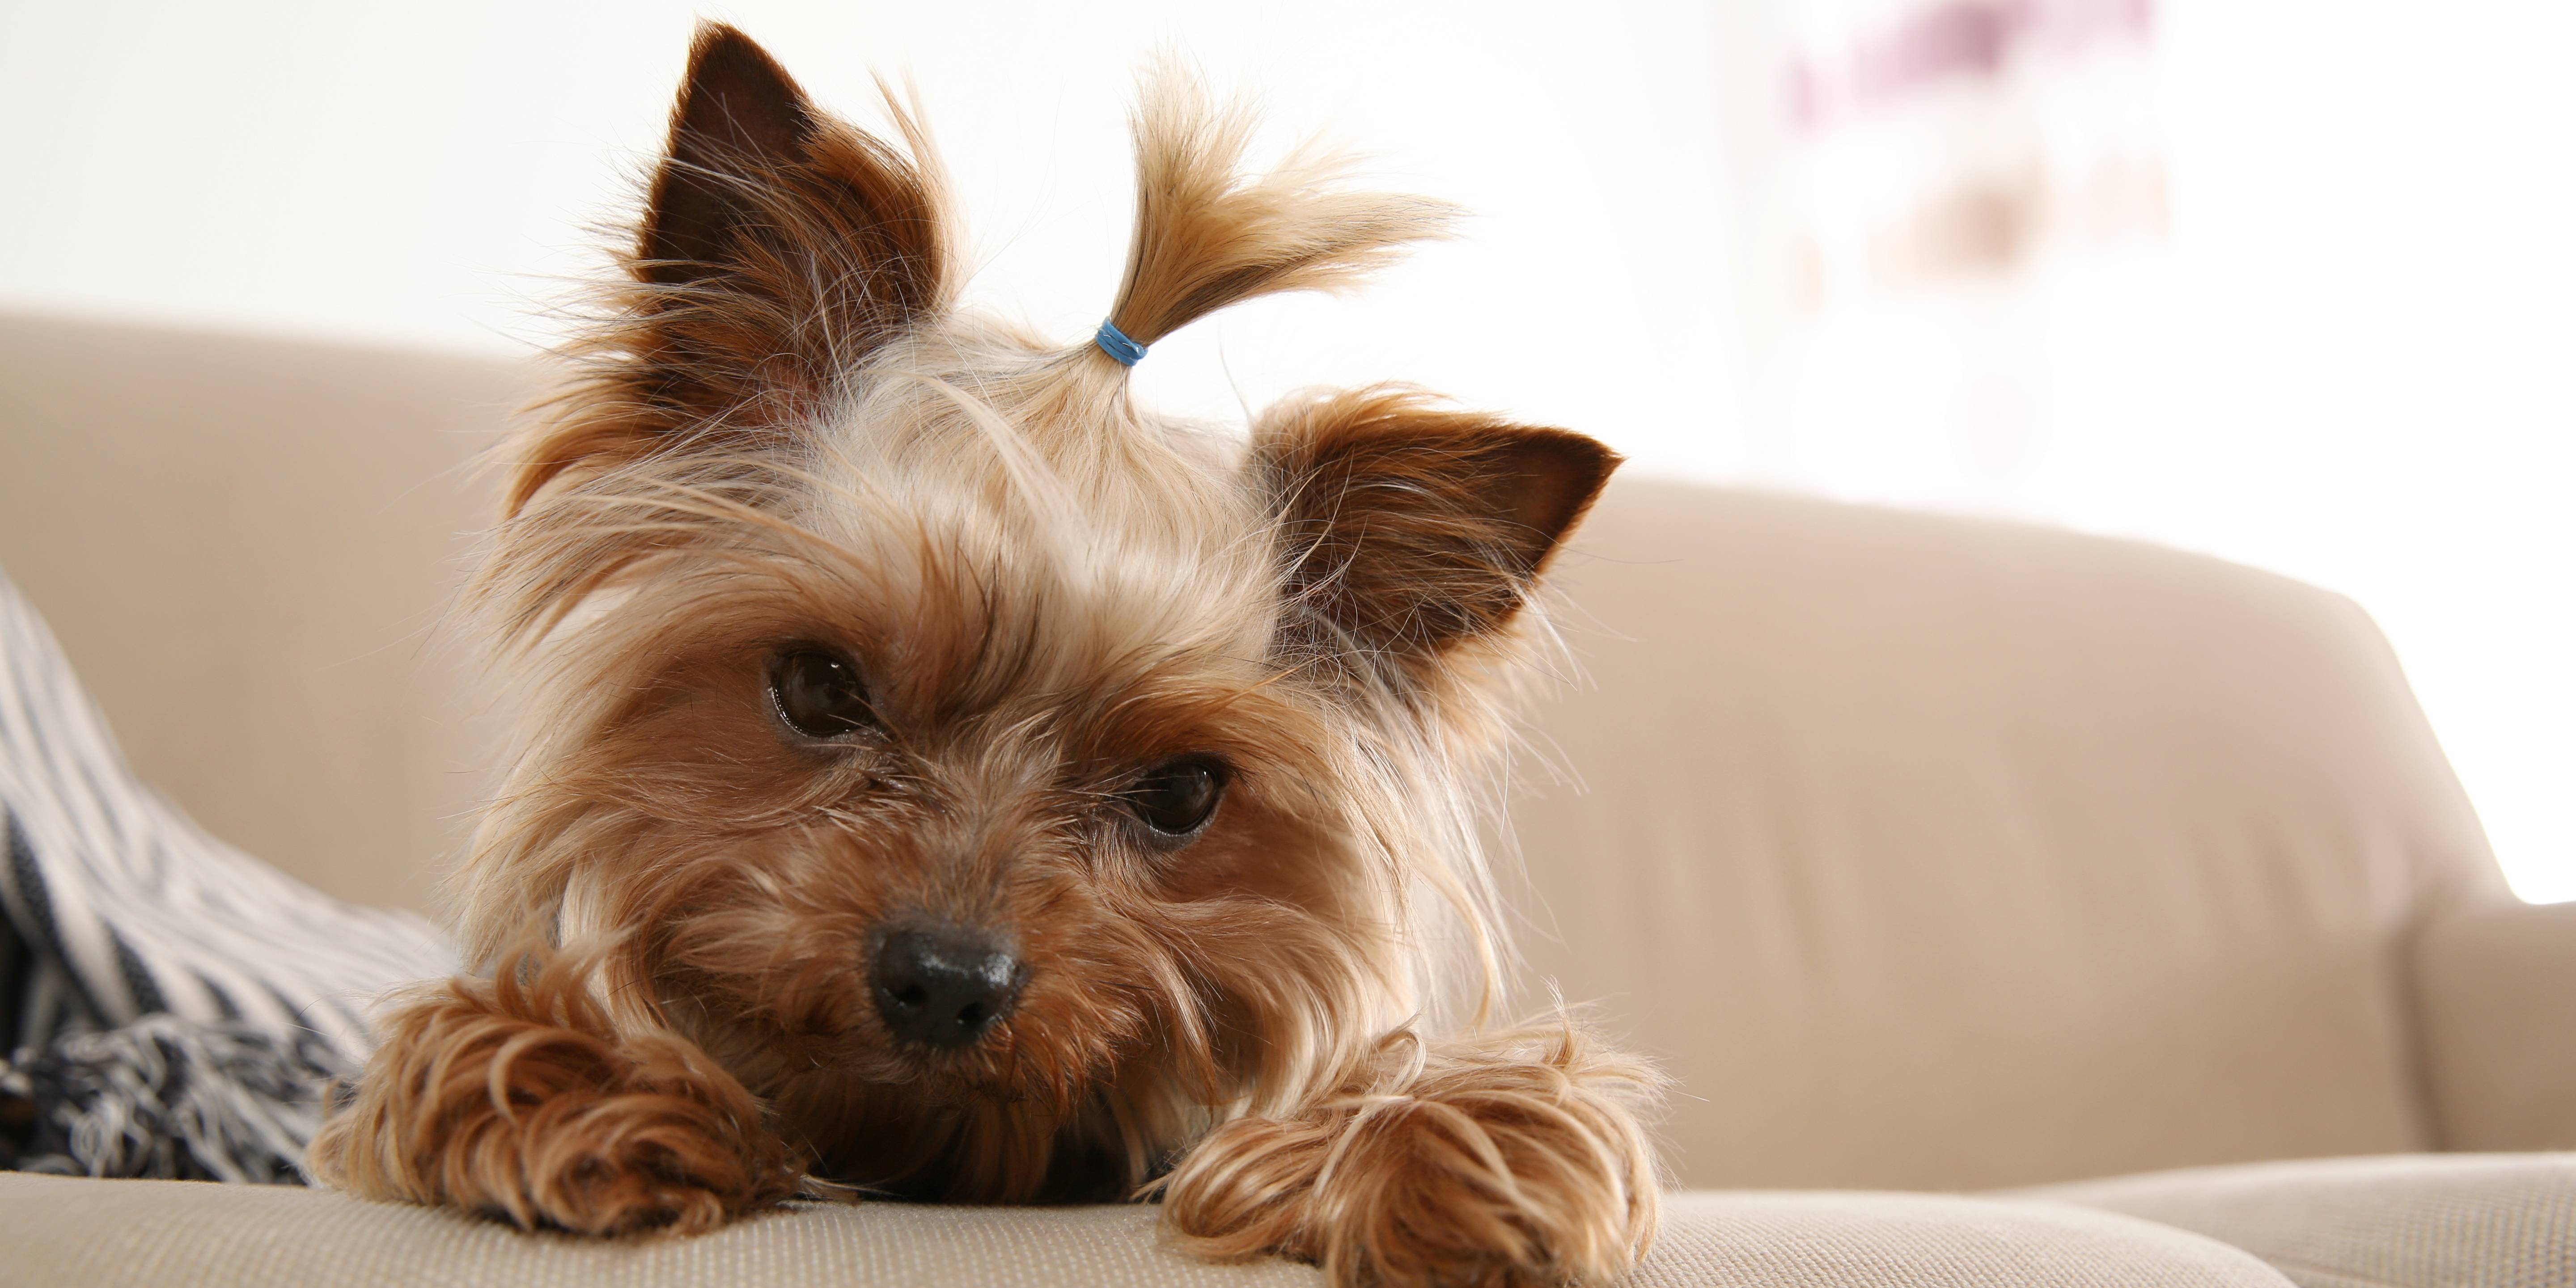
point(1929, 854)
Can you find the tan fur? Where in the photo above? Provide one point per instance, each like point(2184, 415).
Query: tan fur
point(1509, 1157)
point(1206, 237)
point(786, 435)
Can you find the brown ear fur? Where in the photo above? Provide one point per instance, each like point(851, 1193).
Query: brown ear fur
point(779, 248)
point(1409, 526)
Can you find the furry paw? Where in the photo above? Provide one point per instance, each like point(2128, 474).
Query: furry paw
point(1514, 1159)
point(515, 1102)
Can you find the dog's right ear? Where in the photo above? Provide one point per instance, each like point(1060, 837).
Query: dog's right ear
point(779, 247)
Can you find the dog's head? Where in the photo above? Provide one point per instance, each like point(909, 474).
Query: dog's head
point(994, 775)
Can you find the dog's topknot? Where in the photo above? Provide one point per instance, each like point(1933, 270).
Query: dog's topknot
point(1207, 237)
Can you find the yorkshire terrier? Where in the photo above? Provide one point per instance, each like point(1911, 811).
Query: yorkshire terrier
point(943, 777)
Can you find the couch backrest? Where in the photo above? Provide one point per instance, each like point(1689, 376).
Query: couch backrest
point(1937, 853)
point(1924, 852)
point(245, 546)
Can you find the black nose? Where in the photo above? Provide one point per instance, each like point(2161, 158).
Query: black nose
point(945, 986)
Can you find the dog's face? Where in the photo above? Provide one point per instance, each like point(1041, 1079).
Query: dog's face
point(929, 803)
point(997, 778)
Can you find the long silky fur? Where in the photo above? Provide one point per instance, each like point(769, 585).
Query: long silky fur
point(1043, 583)
point(1449, 1163)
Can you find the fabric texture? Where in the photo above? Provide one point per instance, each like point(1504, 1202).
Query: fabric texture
point(182, 1003)
point(2497, 989)
point(148, 1234)
point(1866, 1240)
point(2419, 1221)
point(164, 1097)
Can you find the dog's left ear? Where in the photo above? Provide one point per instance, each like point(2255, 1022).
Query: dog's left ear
point(780, 246)
point(1407, 527)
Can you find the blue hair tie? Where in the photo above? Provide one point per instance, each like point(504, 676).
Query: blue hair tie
point(1115, 343)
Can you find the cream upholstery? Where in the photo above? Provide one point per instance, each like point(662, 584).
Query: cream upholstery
point(2491, 980)
point(2418, 1221)
point(1927, 853)
point(178, 1234)
point(2490, 1220)
point(244, 545)
point(1941, 853)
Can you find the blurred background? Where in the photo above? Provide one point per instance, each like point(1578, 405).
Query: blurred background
point(2285, 281)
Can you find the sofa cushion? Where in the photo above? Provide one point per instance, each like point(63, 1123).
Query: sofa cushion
point(2405, 1221)
point(195, 1235)
point(1861, 1239)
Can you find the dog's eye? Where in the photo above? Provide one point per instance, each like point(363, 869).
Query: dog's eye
point(1176, 797)
point(819, 694)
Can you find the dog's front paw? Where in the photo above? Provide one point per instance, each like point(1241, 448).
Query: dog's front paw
point(482, 1101)
point(1511, 1160)
point(627, 1154)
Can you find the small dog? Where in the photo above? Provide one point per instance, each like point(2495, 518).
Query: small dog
point(942, 776)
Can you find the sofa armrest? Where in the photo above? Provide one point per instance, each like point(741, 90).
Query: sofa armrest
point(2496, 999)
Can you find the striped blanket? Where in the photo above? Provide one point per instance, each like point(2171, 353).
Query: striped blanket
point(173, 1007)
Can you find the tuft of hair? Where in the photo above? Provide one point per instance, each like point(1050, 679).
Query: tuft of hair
point(1207, 236)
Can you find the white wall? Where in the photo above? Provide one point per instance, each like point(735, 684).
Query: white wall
point(2352, 360)
point(423, 173)
point(2361, 368)
point(2351, 363)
